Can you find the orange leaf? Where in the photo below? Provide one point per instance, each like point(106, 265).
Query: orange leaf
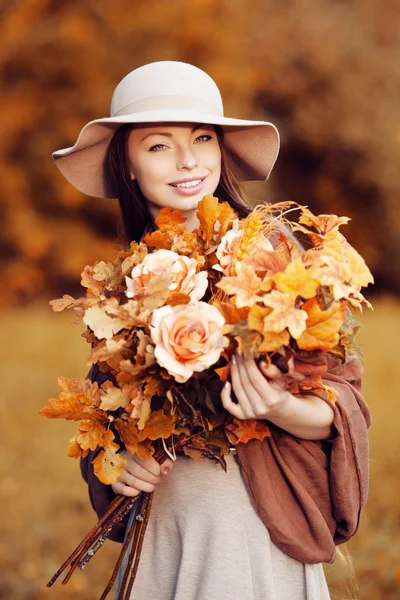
point(78, 400)
point(91, 434)
point(168, 218)
point(129, 434)
point(178, 298)
point(158, 425)
point(74, 449)
point(223, 372)
point(249, 429)
point(322, 326)
point(160, 240)
point(108, 464)
point(207, 213)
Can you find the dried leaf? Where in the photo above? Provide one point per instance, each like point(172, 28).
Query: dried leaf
point(248, 429)
point(284, 314)
point(159, 425)
point(322, 327)
point(108, 464)
point(297, 280)
point(78, 400)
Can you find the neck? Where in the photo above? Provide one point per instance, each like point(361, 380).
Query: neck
point(191, 223)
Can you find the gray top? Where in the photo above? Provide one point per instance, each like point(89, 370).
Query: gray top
point(205, 541)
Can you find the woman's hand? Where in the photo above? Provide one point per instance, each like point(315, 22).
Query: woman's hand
point(140, 475)
point(258, 397)
point(262, 394)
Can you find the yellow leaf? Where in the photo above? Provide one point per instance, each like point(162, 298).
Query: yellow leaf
point(284, 314)
point(273, 340)
point(322, 327)
point(245, 285)
point(297, 280)
point(115, 397)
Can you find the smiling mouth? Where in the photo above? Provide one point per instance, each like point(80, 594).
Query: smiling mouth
point(187, 184)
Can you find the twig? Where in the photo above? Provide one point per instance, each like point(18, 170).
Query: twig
point(125, 547)
point(140, 544)
point(113, 505)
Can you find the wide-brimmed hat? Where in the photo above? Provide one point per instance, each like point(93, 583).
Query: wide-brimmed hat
point(167, 91)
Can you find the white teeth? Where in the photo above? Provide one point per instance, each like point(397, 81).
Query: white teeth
point(187, 184)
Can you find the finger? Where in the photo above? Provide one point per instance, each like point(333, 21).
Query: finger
point(274, 374)
point(258, 380)
point(247, 376)
point(237, 387)
point(227, 402)
point(137, 483)
point(125, 490)
point(150, 464)
point(166, 466)
point(134, 468)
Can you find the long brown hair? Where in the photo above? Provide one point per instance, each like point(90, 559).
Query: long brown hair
point(135, 214)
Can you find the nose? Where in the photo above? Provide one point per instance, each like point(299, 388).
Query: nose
point(186, 159)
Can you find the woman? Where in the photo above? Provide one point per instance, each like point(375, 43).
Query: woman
point(167, 144)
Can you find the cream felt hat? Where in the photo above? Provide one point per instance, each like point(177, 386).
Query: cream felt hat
point(167, 91)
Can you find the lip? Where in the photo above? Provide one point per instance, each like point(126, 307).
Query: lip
point(191, 191)
point(186, 179)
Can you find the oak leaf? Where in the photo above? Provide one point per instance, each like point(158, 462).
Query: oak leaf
point(158, 239)
point(108, 464)
point(115, 397)
point(129, 433)
point(103, 319)
point(78, 400)
point(67, 301)
point(158, 425)
point(74, 449)
point(91, 434)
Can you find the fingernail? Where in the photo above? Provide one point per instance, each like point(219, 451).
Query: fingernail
point(227, 385)
point(165, 470)
point(233, 359)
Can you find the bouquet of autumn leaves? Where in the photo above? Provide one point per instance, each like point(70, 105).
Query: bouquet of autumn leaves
point(165, 317)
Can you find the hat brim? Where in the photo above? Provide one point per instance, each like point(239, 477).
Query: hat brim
point(252, 146)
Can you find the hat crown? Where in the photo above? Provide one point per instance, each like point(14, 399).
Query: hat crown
point(158, 80)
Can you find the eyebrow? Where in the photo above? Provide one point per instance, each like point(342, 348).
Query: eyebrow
point(198, 126)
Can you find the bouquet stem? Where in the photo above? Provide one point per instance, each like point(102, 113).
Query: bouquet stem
point(96, 537)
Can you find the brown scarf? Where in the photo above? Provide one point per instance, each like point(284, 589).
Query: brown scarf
point(309, 494)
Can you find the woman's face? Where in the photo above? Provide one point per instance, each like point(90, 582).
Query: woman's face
point(175, 164)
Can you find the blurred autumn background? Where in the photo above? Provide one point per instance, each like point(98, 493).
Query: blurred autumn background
point(328, 74)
